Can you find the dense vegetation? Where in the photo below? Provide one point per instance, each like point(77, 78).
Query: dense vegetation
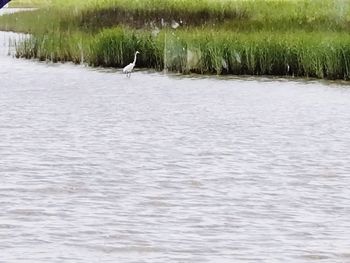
point(255, 37)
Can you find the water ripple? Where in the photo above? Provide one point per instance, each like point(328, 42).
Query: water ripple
point(96, 167)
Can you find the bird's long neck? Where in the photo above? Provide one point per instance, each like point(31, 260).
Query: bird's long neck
point(135, 59)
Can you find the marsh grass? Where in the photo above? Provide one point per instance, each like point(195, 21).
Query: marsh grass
point(296, 38)
point(236, 15)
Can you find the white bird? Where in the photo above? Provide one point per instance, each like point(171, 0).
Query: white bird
point(174, 24)
point(129, 68)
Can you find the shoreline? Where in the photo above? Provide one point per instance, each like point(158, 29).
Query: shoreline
point(170, 74)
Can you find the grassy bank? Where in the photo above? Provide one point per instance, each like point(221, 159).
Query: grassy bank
point(260, 53)
point(299, 38)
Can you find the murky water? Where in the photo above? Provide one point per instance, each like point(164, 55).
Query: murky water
point(96, 167)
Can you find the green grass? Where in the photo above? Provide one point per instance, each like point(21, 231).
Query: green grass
point(254, 37)
point(29, 3)
point(237, 15)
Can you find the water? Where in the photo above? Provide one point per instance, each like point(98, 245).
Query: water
point(96, 167)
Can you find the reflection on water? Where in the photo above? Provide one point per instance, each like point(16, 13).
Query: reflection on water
point(96, 167)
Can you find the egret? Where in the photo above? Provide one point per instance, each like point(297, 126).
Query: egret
point(129, 68)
